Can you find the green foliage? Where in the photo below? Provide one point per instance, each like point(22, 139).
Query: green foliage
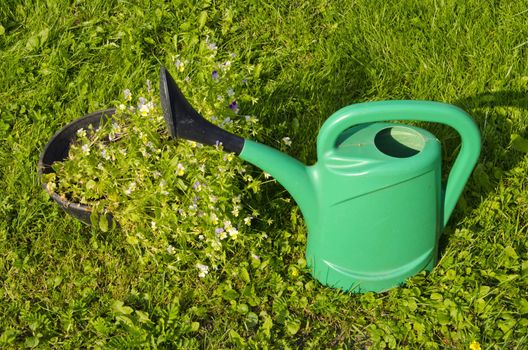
point(66, 285)
point(175, 201)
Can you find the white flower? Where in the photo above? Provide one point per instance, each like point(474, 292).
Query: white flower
point(156, 174)
point(153, 225)
point(104, 154)
point(214, 218)
point(226, 65)
point(266, 175)
point(230, 92)
point(81, 132)
point(221, 233)
point(216, 245)
point(251, 119)
point(85, 148)
point(181, 169)
point(144, 152)
point(287, 141)
point(204, 270)
point(121, 107)
point(51, 186)
point(127, 94)
point(254, 256)
point(131, 187)
point(247, 220)
point(233, 232)
point(179, 65)
point(210, 45)
point(235, 211)
point(201, 237)
point(170, 249)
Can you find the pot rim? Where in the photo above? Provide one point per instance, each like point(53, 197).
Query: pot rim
point(46, 168)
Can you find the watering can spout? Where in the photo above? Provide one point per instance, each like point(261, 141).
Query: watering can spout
point(183, 121)
point(295, 176)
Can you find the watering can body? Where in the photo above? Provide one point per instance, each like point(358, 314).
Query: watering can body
point(374, 203)
point(380, 208)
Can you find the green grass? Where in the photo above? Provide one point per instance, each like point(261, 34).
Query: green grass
point(65, 285)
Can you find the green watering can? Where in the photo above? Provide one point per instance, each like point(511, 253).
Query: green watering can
point(373, 203)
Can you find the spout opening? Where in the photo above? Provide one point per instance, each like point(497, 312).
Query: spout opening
point(399, 142)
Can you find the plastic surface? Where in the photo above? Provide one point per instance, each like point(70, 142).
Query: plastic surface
point(184, 122)
point(57, 150)
point(427, 111)
point(374, 203)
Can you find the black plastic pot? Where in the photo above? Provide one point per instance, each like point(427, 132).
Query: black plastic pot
point(57, 149)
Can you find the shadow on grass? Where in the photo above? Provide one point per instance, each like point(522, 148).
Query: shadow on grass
point(492, 112)
point(298, 102)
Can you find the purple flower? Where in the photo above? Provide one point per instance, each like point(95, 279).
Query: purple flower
point(215, 75)
point(219, 230)
point(196, 184)
point(234, 107)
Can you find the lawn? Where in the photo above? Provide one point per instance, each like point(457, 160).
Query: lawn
point(68, 285)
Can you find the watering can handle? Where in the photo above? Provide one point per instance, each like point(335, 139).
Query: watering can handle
point(426, 111)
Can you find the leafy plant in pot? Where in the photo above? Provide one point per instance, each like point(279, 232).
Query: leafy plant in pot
point(57, 150)
point(169, 197)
